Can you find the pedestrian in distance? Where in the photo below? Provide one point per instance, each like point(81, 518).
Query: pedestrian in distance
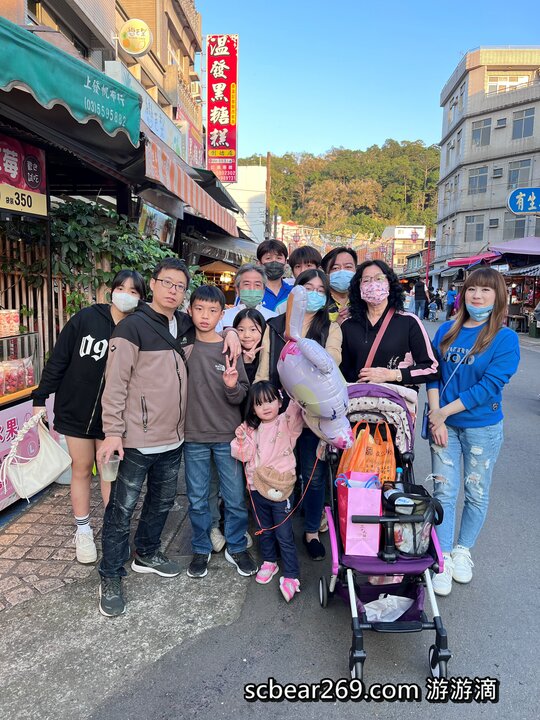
point(433, 311)
point(216, 389)
point(478, 356)
point(75, 374)
point(144, 413)
point(265, 444)
point(421, 298)
point(450, 301)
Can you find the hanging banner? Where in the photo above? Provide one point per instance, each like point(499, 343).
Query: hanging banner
point(222, 106)
point(22, 178)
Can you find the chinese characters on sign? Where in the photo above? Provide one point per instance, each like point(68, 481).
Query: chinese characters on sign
point(222, 105)
point(22, 177)
point(524, 201)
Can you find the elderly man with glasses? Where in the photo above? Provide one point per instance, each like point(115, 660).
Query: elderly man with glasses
point(144, 406)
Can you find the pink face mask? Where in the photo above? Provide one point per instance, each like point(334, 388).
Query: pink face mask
point(374, 292)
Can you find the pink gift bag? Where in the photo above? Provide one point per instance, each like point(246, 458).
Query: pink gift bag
point(359, 538)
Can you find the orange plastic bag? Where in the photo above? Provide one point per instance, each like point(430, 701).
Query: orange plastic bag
point(358, 449)
point(373, 454)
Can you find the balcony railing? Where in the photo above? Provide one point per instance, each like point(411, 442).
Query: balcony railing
point(179, 90)
point(193, 18)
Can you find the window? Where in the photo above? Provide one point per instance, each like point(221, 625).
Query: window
point(523, 125)
point(449, 148)
point(461, 94)
point(474, 228)
point(446, 192)
point(481, 132)
point(514, 226)
point(519, 173)
point(503, 83)
point(459, 136)
point(456, 184)
point(478, 180)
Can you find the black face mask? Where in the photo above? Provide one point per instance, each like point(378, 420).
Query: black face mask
point(274, 270)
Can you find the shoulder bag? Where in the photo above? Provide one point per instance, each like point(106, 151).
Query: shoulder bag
point(30, 475)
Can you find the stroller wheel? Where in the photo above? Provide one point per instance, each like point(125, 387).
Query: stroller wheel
point(439, 668)
point(357, 671)
point(323, 592)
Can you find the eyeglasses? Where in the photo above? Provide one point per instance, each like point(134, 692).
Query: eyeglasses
point(376, 278)
point(319, 291)
point(170, 285)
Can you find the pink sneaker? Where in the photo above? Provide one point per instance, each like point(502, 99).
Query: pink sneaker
point(266, 573)
point(289, 587)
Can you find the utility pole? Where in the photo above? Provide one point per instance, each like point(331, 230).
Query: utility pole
point(267, 226)
point(428, 256)
point(275, 222)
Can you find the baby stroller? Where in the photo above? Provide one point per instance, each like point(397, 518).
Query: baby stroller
point(352, 576)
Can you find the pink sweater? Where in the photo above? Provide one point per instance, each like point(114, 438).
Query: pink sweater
point(271, 445)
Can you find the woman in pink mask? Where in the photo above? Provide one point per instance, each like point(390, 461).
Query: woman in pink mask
point(405, 354)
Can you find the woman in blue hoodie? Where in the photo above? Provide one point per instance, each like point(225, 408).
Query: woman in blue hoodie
point(477, 357)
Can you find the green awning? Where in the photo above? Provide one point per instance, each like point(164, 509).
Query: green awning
point(54, 77)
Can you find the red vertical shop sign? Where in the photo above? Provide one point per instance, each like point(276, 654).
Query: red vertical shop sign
point(222, 106)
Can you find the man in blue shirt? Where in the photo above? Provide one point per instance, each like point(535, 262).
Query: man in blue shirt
point(272, 255)
point(450, 300)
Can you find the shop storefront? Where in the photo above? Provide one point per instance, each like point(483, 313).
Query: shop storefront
point(64, 132)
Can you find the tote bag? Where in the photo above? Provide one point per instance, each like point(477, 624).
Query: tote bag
point(358, 538)
point(30, 475)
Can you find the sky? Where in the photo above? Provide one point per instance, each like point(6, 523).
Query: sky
point(317, 74)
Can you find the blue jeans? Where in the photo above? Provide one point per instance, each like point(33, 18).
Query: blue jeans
point(231, 485)
point(313, 502)
point(479, 447)
point(161, 470)
point(420, 308)
point(272, 513)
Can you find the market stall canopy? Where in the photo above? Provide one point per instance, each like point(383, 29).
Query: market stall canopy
point(528, 271)
point(48, 87)
point(521, 246)
point(473, 259)
point(54, 77)
point(450, 272)
point(165, 167)
point(215, 188)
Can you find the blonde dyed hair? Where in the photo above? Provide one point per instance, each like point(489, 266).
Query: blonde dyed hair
point(483, 277)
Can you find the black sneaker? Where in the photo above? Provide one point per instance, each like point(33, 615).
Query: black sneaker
point(111, 598)
point(315, 548)
point(156, 563)
point(198, 567)
point(245, 564)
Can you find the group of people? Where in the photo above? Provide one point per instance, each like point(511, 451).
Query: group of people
point(148, 381)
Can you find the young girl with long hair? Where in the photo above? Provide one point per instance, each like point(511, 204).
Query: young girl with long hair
point(265, 443)
point(477, 357)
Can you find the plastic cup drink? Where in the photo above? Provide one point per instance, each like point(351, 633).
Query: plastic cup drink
point(108, 471)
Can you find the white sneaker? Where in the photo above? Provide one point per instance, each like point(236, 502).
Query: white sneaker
point(85, 547)
point(217, 539)
point(442, 583)
point(463, 565)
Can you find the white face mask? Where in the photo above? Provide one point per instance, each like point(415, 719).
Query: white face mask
point(125, 302)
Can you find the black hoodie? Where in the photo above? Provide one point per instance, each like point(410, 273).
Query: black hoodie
point(75, 370)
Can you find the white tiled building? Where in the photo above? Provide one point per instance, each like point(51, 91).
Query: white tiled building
point(490, 144)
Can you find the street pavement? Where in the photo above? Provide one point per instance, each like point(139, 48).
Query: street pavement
point(187, 647)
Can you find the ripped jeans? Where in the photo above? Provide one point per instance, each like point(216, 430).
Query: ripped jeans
point(479, 447)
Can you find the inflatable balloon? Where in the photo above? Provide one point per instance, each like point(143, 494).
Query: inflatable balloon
point(311, 377)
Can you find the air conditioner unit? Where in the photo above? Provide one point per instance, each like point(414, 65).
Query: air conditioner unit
point(501, 123)
point(195, 88)
point(494, 222)
point(497, 172)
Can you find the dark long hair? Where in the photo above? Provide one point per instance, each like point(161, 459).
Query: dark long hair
point(251, 314)
point(259, 393)
point(320, 323)
point(357, 306)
